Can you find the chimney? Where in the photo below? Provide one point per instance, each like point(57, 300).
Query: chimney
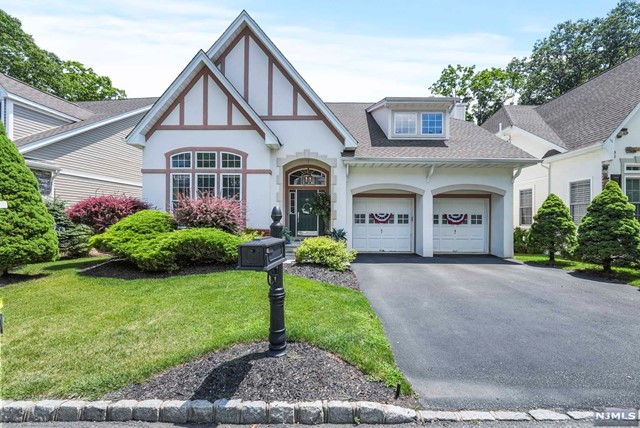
point(459, 111)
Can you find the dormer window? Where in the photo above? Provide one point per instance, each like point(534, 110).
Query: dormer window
point(432, 124)
point(418, 124)
point(405, 124)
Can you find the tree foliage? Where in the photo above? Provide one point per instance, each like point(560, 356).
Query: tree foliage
point(609, 232)
point(574, 52)
point(553, 229)
point(21, 58)
point(73, 239)
point(26, 228)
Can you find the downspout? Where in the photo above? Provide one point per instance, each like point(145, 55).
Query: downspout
point(433, 167)
point(548, 168)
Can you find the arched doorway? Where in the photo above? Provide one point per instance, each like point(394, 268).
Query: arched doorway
point(302, 186)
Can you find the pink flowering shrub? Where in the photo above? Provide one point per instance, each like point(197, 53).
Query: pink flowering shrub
point(208, 211)
point(100, 212)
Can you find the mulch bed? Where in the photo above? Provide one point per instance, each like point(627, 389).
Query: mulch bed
point(322, 274)
point(16, 278)
point(306, 373)
point(122, 269)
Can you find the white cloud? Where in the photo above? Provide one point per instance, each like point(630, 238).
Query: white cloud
point(143, 46)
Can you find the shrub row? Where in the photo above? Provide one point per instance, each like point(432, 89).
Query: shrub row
point(149, 239)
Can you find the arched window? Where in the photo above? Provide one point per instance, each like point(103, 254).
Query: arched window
point(181, 160)
point(307, 177)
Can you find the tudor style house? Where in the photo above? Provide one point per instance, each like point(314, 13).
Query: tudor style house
point(75, 150)
point(403, 174)
point(584, 138)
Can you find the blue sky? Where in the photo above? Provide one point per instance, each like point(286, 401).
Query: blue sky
point(347, 50)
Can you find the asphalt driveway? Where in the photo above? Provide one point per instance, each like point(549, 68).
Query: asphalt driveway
point(484, 333)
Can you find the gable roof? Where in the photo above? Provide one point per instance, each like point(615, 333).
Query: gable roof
point(24, 92)
point(161, 106)
point(586, 115)
point(244, 21)
point(467, 141)
point(101, 113)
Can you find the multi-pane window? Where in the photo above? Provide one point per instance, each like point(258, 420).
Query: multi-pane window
point(526, 207)
point(360, 218)
point(436, 219)
point(181, 160)
point(45, 181)
point(180, 188)
point(476, 218)
point(205, 185)
point(230, 160)
point(403, 218)
point(307, 177)
point(632, 187)
point(431, 123)
point(230, 186)
point(405, 123)
point(205, 159)
point(579, 199)
point(292, 202)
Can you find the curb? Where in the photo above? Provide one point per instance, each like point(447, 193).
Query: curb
point(255, 412)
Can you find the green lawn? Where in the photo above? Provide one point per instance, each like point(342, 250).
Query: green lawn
point(625, 274)
point(68, 335)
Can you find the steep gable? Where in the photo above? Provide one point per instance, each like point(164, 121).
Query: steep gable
point(267, 81)
point(200, 98)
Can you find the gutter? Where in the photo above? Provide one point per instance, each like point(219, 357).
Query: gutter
point(582, 151)
point(432, 161)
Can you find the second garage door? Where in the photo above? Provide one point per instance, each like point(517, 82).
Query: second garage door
point(383, 224)
point(460, 225)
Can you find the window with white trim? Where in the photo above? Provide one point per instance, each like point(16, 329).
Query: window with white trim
point(432, 123)
point(45, 181)
point(633, 168)
point(579, 199)
point(205, 185)
point(231, 161)
point(405, 123)
point(180, 188)
point(205, 159)
point(526, 207)
point(231, 186)
point(181, 160)
point(632, 189)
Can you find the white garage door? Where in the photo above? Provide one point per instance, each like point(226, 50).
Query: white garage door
point(460, 225)
point(383, 224)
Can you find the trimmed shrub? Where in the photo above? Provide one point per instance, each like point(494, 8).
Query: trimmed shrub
point(141, 226)
point(325, 251)
point(73, 239)
point(208, 211)
point(609, 232)
point(100, 212)
point(553, 229)
point(520, 239)
point(26, 228)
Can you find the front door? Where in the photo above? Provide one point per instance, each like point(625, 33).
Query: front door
point(306, 221)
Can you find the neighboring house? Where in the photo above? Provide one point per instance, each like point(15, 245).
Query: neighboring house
point(75, 150)
point(403, 174)
point(584, 137)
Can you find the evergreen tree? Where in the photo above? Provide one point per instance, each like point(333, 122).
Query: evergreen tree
point(609, 232)
point(553, 229)
point(26, 228)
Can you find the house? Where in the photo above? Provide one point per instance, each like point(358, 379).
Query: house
point(75, 150)
point(403, 174)
point(584, 138)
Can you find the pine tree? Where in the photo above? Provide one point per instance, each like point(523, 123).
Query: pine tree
point(553, 229)
point(26, 228)
point(609, 232)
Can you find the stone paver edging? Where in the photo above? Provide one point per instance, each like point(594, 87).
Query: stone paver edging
point(255, 412)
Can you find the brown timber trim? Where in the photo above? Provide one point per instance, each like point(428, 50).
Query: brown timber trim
point(295, 102)
point(210, 127)
point(290, 117)
point(463, 196)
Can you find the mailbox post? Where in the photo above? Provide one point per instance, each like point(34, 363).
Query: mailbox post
point(268, 254)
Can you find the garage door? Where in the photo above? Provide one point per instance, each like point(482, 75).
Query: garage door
point(383, 224)
point(460, 225)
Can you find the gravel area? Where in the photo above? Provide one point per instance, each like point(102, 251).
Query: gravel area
point(122, 269)
point(244, 372)
point(322, 274)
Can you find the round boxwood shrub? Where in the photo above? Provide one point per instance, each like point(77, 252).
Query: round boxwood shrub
point(325, 251)
point(26, 228)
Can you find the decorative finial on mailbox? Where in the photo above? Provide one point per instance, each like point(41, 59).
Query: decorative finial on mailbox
point(276, 214)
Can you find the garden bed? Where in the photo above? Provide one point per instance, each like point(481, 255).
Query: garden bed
point(244, 371)
point(320, 273)
point(123, 269)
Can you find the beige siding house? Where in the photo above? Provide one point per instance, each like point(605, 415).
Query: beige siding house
point(75, 150)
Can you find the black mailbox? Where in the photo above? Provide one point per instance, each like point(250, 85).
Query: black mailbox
point(261, 254)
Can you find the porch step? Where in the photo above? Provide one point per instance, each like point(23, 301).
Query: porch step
point(291, 248)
